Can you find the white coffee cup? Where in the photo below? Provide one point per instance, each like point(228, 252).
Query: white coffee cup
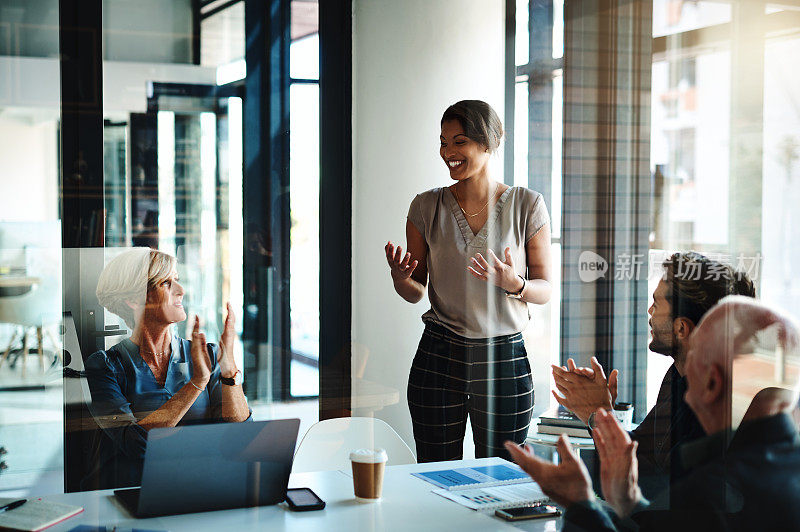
point(624, 414)
point(368, 468)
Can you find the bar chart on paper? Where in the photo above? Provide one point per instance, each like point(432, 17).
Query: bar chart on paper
point(497, 497)
point(494, 475)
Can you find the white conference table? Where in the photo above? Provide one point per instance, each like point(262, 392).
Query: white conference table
point(407, 504)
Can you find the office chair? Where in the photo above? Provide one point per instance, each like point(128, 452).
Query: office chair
point(30, 285)
point(327, 444)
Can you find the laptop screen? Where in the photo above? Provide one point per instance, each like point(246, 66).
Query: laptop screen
point(211, 467)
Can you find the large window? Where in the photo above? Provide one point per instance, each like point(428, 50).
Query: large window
point(725, 136)
point(304, 199)
point(223, 46)
point(537, 139)
point(722, 140)
point(690, 139)
point(577, 76)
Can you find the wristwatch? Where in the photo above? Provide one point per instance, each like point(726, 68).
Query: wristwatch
point(236, 380)
point(590, 421)
point(518, 293)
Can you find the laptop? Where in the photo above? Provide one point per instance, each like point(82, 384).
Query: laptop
point(201, 468)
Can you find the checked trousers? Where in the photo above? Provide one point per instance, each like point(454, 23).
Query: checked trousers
point(452, 377)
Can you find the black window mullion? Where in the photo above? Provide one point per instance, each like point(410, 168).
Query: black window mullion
point(335, 208)
point(196, 4)
point(266, 198)
point(510, 90)
point(82, 210)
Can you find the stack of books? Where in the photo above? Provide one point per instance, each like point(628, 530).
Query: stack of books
point(561, 421)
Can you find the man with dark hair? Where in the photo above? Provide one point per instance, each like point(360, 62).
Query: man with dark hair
point(691, 285)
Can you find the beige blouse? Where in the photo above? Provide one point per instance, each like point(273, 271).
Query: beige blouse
point(464, 304)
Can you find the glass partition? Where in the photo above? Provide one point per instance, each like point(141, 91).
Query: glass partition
point(31, 408)
point(172, 180)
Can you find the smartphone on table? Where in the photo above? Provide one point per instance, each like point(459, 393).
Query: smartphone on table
point(528, 512)
point(303, 500)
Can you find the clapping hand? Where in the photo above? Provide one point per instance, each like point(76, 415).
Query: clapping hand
point(619, 470)
point(498, 272)
point(201, 364)
point(613, 377)
point(402, 266)
point(565, 483)
point(585, 390)
point(226, 360)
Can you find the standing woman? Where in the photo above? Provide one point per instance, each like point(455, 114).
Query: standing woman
point(485, 248)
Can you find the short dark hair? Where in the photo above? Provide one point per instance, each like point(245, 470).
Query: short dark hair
point(697, 283)
point(479, 121)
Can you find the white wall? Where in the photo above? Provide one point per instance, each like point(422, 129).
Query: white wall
point(28, 167)
point(411, 59)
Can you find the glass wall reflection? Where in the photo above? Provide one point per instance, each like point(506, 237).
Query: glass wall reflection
point(172, 151)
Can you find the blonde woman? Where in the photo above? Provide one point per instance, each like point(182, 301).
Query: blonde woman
point(155, 378)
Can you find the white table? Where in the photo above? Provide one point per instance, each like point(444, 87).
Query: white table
point(407, 504)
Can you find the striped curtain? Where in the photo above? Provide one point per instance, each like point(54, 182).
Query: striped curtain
point(606, 188)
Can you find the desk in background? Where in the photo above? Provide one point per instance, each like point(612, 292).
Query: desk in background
point(407, 504)
point(16, 285)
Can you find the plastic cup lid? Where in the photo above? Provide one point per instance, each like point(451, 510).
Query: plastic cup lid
point(369, 456)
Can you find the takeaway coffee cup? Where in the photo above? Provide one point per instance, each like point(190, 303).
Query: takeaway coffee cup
point(624, 414)
point(368, 468)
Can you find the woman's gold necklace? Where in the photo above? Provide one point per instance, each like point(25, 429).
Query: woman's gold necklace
point(155, 353)
point(496, 187)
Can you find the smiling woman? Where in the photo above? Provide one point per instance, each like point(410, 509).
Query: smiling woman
point(485, 248)
point(154, 378)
